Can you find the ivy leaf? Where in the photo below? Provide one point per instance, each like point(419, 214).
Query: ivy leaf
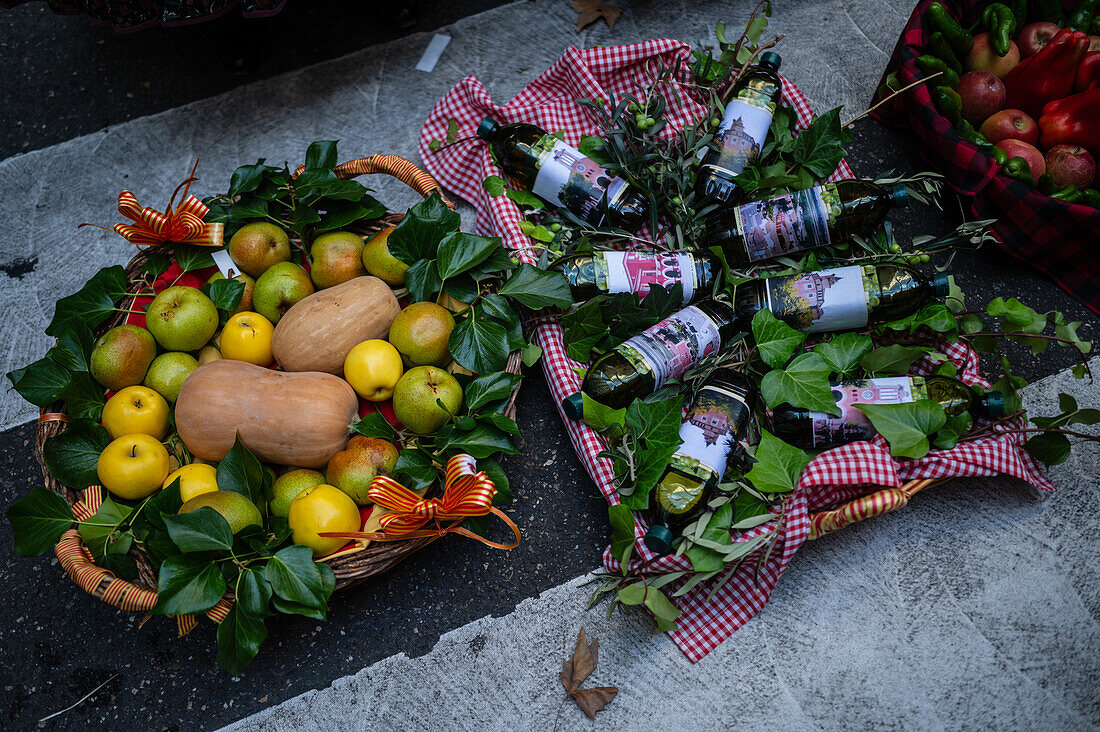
point(778, 465)
point(40, 383)
point(906, 427)
point(607, 421)
point(1009, 385)
point(247, 177)
point(893, 360)
point(704, 559)
point(843, 353)
point(459, 252)
point(226, 294)
point(71, 456)
point(1021, 319)
point(74, 347)
point(253, 592)
point(1049, 448)
point(239, 638)
point(419, 233)
point(653, 432)
point(584, 330)
point(622, 532)
point(821, 147)
point(92, 304)
point(188, 584)
point(84, 397)
point(249, 207)
point(99, 532)
point(935, 316)
point(415, 470)
point(479, 345)
point(375, 425)
point(537, 232)
point(38, 520)
point(321, 155)
point(156, 264)
point(805, 384)
point(490, 388)
point(423, 280)
point(1068, 331)
point(525, 198)
point(203, 529)
point(775, 340)
point(241, 472)
point(536, 288)
point(481, 442)
point(495, 185)
point(294, 576)
point(955, 427)
point(495, 473)
point(190, 258)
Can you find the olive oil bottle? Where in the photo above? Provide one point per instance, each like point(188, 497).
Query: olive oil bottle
point(819, 430)
point(562, 176)
point(842, 297)
point(642, 364)
point(715, 422)
point(744, 127)
point(594, 273)
point(795, 222)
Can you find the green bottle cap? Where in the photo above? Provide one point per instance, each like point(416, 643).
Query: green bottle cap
point(900, 196)
point(941, 285)
point(659, 539)
point(993, 403)
point(573, 406)
point(487, 127)
point(771, 59)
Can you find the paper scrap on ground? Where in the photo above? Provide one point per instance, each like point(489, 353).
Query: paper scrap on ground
point(433, 52)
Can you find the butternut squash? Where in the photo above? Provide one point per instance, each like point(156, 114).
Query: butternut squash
point(287, 418)
point(318, 332)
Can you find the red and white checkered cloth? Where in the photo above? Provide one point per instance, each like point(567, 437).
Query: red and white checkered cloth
point(550, 102)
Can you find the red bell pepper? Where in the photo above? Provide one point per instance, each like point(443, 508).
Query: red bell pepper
point(1074, 120)
point(1048, 75)
point(1088, 72)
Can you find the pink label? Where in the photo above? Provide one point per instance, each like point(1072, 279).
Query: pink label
point(852, 424)
point(674, 345)
point(640, 271)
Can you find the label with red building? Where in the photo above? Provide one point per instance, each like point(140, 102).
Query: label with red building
point(853, 424)
point(788, 224)
point(826, 300)
point(743, 130)
point(715, 418)
point(639, 271)
point(572, 180)
point(674, 345)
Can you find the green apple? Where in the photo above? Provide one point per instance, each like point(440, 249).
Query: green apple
point(246, 296)
point(336, 258)
point(121, 356)
point(354, 468)
point(416, 394)
point(257, 247)
point(181, 319)
point(380, 262)
point(288, 485)
point(279, 288)
point(168, 372)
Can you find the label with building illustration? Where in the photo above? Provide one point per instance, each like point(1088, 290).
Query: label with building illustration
point(571, 180)
point(713, 421)
point(743, 131)
point(826, 300)
point(852, 424)
point(671, 347)
point(639, 271)
point(788, 224)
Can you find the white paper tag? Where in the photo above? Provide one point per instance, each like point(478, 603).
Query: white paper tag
point(226, 266)
point(433, 52)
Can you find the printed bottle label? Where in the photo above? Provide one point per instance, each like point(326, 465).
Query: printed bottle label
point(788, 224)
point(826, 300)
point(671, 347)
point(569, 179)
point(852, 424)
point(638, 272)
point(713, 422)
point(743, 131)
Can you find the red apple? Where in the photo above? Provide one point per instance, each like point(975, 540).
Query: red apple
point(1033, 37)
point(982, 57)
point(1070, 165)
point(1010, 124)
point(982, 94)
point(1030, 153)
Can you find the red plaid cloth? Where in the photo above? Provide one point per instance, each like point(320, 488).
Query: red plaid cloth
point(1062, 240)
point(549, 102)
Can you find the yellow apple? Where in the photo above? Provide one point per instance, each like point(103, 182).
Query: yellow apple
point(373, 369)
point(247, 337)
point(133, 466)
point(195, 479)
point(318, 509)
point(136, 409)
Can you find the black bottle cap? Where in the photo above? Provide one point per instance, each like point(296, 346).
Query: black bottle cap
point(573, 406)
point(659, 539)
point(770, 58)
point(900, 196)
point(993, 404)
point(941, 284)
point(487, 127)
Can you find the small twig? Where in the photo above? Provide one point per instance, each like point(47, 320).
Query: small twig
point(85, 697)
point(733, 79)
point(918, 82)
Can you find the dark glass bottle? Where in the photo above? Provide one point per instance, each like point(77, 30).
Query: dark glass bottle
point(715, 422)
point(562, 176)
point(818, 430)
point(842, 297)
point(744, 128)
point(802, 220)
point(594, 273)
point(642, 364)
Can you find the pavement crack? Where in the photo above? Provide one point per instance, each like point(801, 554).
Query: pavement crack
point(856, 26)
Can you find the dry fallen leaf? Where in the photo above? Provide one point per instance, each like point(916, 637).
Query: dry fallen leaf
point(576, 668)
point(589, 11)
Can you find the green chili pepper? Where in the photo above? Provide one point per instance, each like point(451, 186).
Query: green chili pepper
point(967, 132)
point(942, 49)
point(948, 102)
point(1019, 11)
point(1000, 157)
point(1018, 169)
point(1069, 194)
point(1082, 15)
point(1048, 10)
point(1001, 24)
point(1091, 197)
point(1045, 184)
point(959, 38)
point(931, 64)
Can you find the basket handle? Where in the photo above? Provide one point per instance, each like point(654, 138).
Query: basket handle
point(873, 504)
point(395, 165)
point(99, 582)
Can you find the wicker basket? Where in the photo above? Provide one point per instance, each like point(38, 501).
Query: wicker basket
point(350, 566)
point(876, 503)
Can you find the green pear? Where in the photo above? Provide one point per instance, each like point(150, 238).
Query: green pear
point(181, 319)
point(288, 485)
point(354, 468)
point(122, 355)
point(421, 333)
point(414, 399)
point(168, 372)
point(256, 247)
point(237, 510)
point(246, 296)
point(279, 288)
point(336, 258)
point(381, 263)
